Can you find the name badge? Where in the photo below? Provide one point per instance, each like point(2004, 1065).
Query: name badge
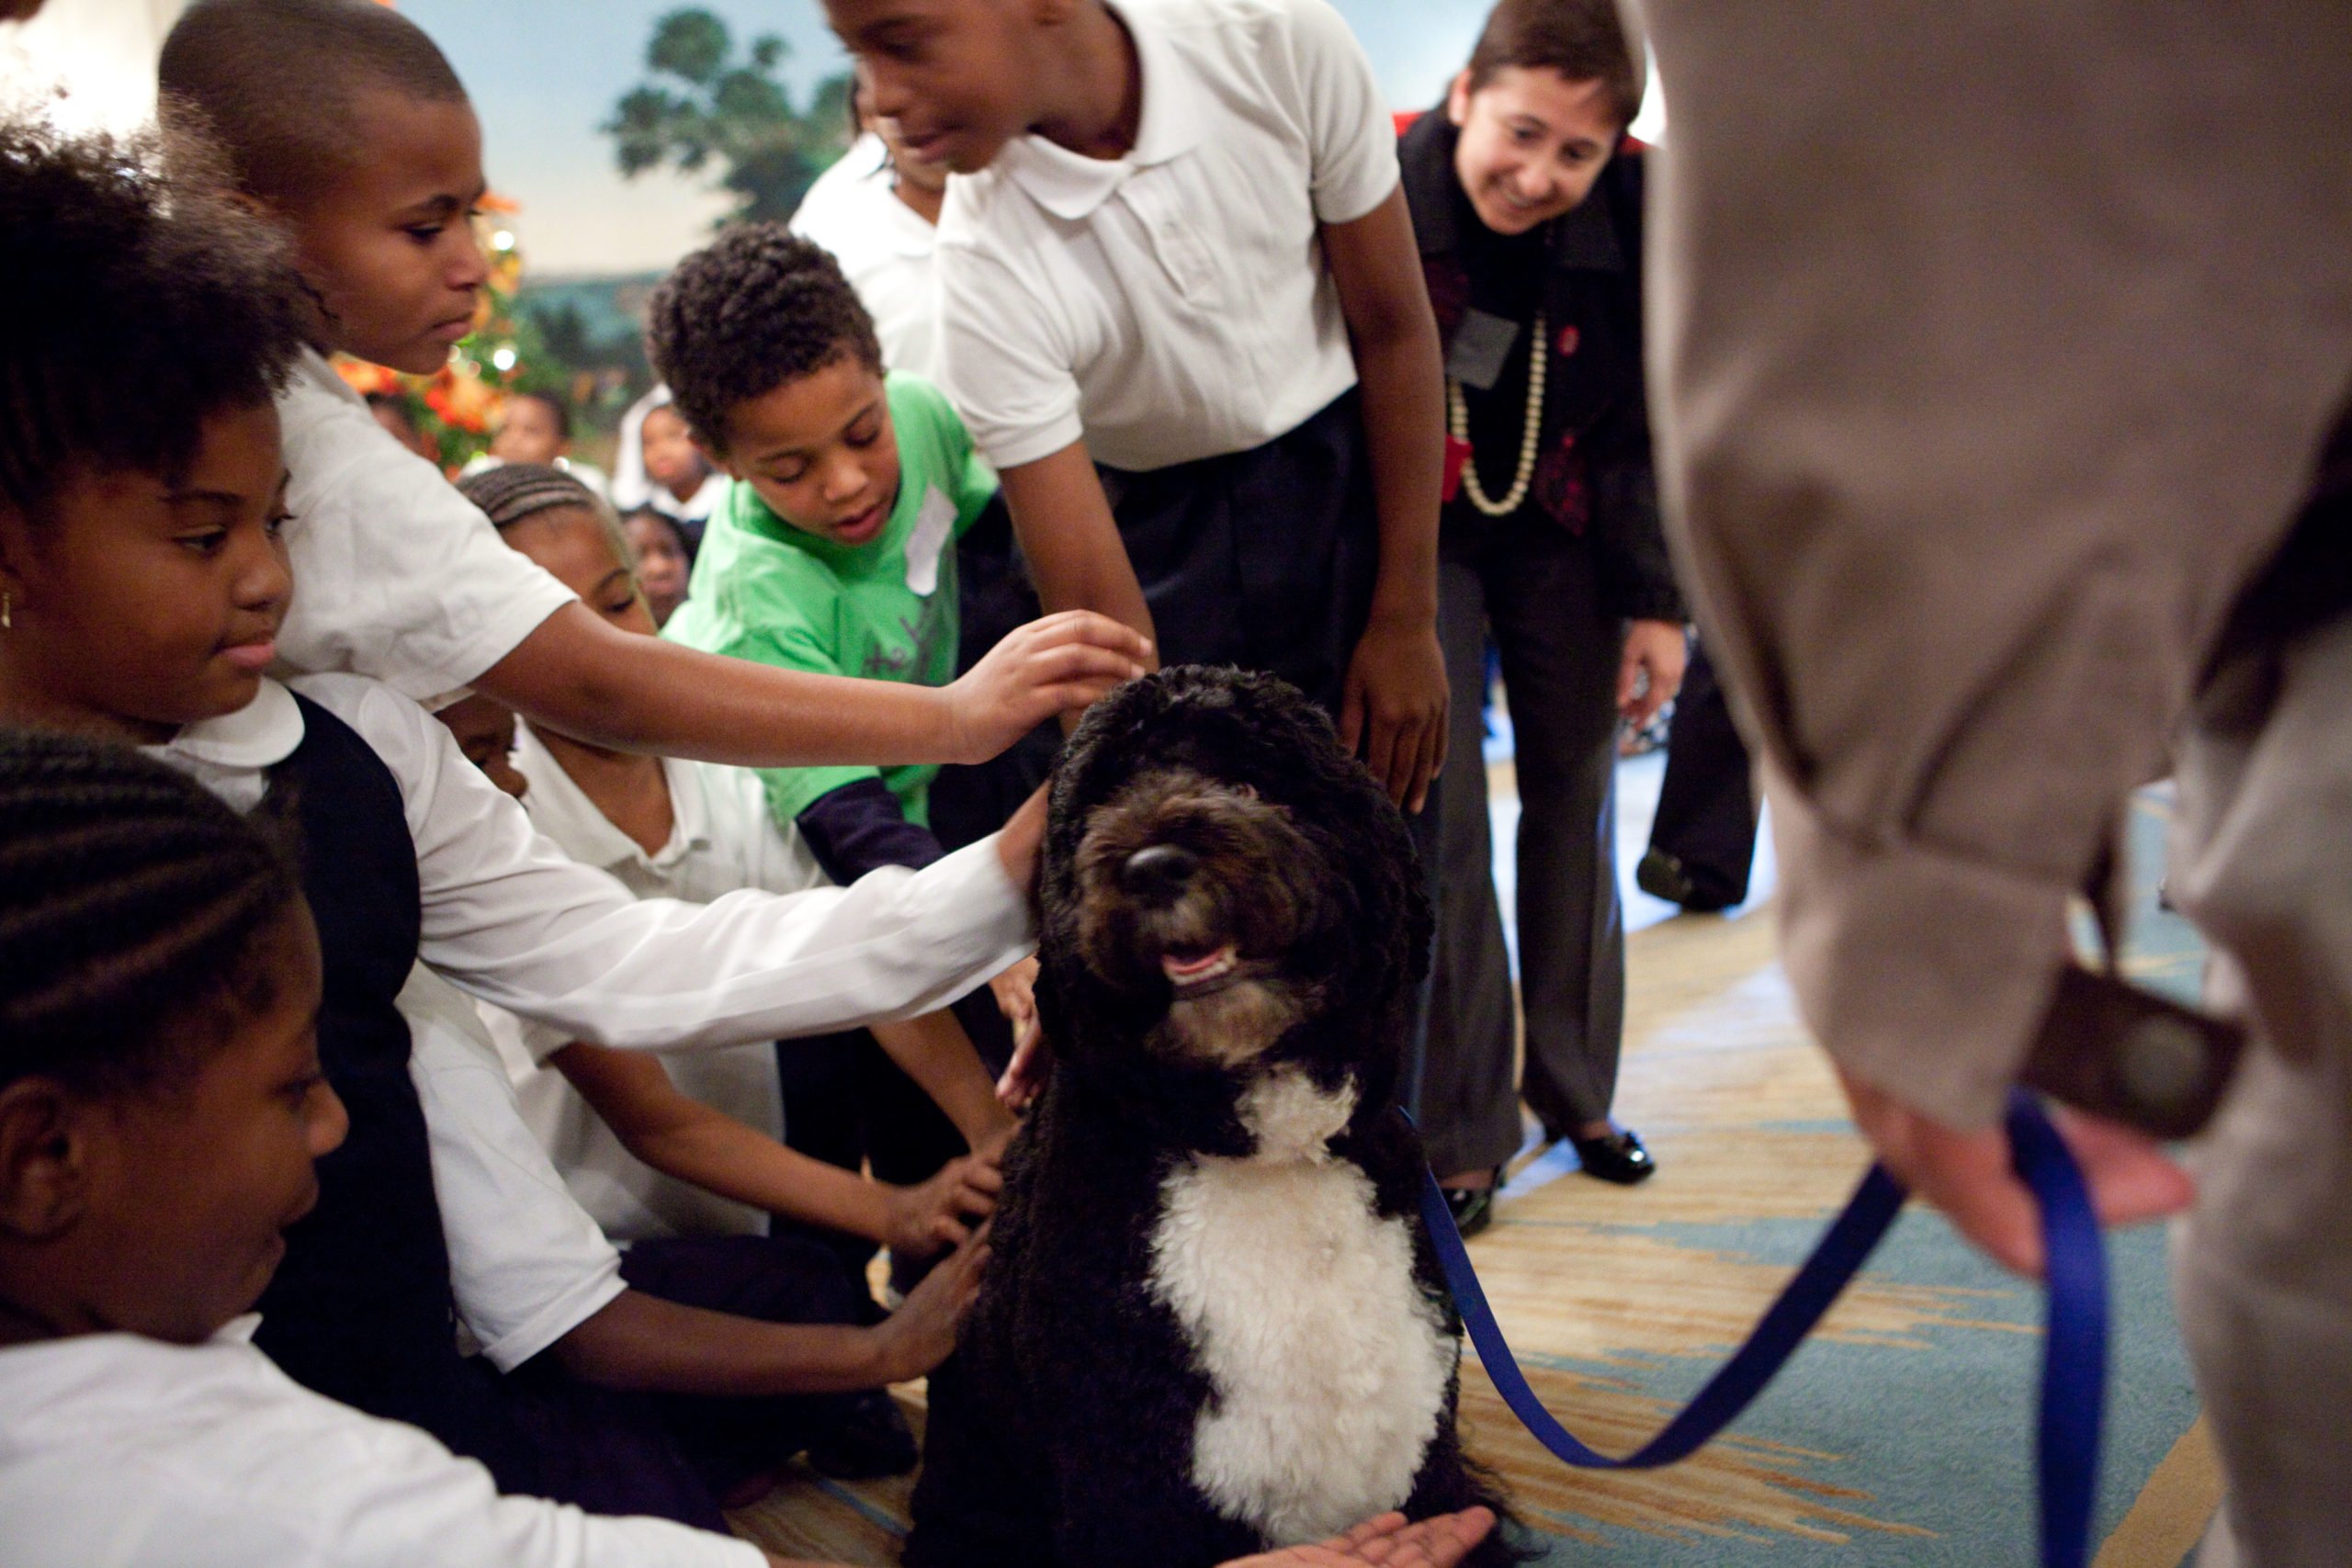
point(1481, 343)
point(933, 523)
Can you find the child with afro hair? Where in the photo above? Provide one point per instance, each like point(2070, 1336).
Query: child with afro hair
point(833, 553)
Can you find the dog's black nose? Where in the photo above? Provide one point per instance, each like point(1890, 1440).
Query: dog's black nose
point(1157, 870)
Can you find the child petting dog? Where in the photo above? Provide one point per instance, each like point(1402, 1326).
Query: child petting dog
point(669, 828)
point(162, 1106)
point(343, 122)
point(141, 581)
point(834, 553)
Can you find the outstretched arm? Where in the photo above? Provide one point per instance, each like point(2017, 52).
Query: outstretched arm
point(933, 1050)
point(1070, 539)
point(645, 1344)
point(682, 1137)
point(586, 679)
point(510, 919)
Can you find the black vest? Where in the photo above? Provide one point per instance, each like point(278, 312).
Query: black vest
point(360, 1309)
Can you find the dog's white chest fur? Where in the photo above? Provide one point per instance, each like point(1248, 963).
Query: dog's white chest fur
point(1328, 1365)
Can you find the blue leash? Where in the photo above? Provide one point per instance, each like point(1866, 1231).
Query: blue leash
point(2073, 1368)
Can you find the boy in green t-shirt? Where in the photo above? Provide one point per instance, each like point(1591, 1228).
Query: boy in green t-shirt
point(834, 552)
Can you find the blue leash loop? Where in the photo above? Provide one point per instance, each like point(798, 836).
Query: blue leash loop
point(2073, 1368)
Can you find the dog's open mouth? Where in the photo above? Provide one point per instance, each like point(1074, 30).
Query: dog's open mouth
point(1193, 969)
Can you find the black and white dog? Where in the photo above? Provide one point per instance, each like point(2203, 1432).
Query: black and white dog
point(1212, 1322)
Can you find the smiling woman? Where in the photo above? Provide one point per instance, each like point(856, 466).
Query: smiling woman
point(1526, 199)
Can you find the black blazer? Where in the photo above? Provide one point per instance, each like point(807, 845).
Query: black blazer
point(1594, 476)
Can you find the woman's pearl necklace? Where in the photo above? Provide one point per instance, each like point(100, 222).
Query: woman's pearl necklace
point(1457, 418)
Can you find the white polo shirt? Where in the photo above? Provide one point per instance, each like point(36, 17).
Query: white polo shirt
point(723, 839)
point(1172, 304)
point(132, 1453)
point(886, 251)
point(397, 576)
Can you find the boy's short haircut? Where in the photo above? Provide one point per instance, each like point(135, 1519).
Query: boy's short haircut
point(274, 81)
point(138, 303)
point(756, 308)
point(1582, 39)
point(129, 894)
point(554, 405)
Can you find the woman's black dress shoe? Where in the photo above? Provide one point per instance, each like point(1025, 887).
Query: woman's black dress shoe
point(1619, 1157)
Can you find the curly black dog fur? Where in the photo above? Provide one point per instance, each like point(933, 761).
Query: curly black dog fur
point(1212, 1323)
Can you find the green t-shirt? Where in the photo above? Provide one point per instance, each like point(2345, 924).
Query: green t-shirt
point(765, 591)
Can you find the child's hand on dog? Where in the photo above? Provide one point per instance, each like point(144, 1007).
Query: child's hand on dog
point(1025, 1074)
point(1016, 997)
point(1017, 845)
point(1437, 1542)
point(940, 1213)
point(918, 1336)
point(1054, 665)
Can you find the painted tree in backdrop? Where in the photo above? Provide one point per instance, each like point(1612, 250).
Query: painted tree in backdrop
point(704, 107)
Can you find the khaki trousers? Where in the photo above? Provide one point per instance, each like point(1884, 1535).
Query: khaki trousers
point(2263, 864)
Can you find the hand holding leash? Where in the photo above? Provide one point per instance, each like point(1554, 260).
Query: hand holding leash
point(1972, 1175)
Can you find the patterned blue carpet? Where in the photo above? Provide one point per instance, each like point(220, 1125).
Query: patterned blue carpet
point(1903, 1433)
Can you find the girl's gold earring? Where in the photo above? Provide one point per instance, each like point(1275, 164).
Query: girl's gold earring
point(7, 612)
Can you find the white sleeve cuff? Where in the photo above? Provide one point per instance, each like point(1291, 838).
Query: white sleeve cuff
point(1010, 448)
point(555, 1319)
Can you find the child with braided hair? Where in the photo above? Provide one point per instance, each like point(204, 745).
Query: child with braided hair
point(162, 1104)
point(659, 1150)
point(142, 581)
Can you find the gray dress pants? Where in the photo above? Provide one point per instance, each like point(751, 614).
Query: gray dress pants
point(2263, 863)
point(1534, 584)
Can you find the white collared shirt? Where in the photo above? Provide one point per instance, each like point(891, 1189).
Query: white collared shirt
point(509, 916)
point(398, 576)
point(886, 250)
point(527, 1263)
point(122, 1453)
point(722, 839)
point(511, 919)
point(1172, 304)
